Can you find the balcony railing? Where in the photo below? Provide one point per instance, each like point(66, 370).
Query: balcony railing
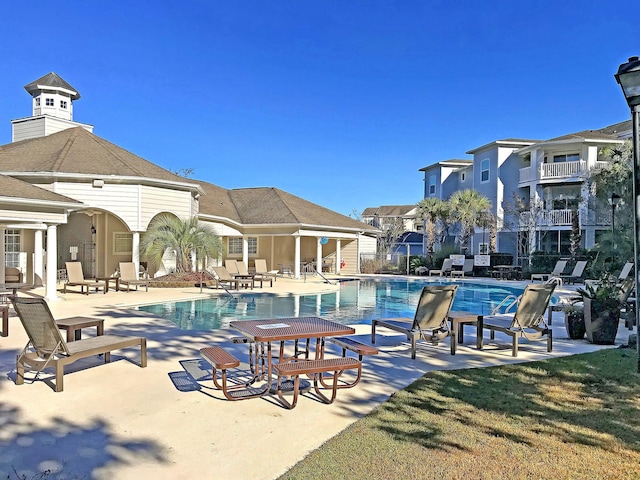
point(562, 169)
point(548, 218)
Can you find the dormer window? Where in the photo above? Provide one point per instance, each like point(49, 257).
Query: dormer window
point(63, 104)
point(49, 102)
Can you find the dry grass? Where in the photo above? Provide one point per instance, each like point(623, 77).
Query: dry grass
point(567, 418)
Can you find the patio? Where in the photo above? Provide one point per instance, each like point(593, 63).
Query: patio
point(120, 421)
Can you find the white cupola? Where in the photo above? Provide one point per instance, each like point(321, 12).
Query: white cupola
point(52, 109)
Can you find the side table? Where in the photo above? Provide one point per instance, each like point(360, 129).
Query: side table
point(458, 319)
point(74, 326)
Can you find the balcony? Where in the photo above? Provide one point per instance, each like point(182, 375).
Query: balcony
point(548, 218)
point(556, 171)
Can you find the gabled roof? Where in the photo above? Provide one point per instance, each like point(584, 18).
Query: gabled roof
point(388, 210)
point(11, 188)
point(585, 136)
point(507, 143)
point(51, 80)
point(451, 163)
point(270, 206)
point(77, 151)
point(617, 128)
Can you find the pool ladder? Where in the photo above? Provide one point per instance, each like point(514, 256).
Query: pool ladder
point(509, 302)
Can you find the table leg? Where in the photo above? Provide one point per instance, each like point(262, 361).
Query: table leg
point(479, 332)
point(77, 333)
point(454, 335)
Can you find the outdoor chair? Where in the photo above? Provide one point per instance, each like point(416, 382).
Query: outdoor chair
point(75, 278)
point(527, 321)
point(624, 273)
point(12, 275)
point(225, 280)
point(129, 276)
point(231, 266)
point(445, 269)
point(261, 269)
point(467, 268)
point(557, 272)
point(47, 348)
point(576, 274)
point(431, 320)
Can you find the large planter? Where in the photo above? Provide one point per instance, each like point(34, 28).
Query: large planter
point(574, 324)
point(601, 323)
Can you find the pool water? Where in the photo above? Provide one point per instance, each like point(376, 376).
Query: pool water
point(356, 302)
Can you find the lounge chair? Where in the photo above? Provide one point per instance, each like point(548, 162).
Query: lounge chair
point(12, 275)
point(261, 269)
point(225, 280)
point(47, 348)
point(232, 267)
point(445, 269)
point(467, 268)
point(624, 273)
point(557, 272)
point(430, 321)
point(576, 274)
point(75, 278)
point(129, 276)
point(528, 320)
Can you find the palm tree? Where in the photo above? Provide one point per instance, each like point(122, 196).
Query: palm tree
point(468, 207)
point(186, 237)
point(434, 213)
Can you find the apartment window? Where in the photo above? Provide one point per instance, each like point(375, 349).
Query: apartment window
point(432, 185)
point(463, 176)
point(235, 245)
point(63, 104)
point(484, 249)
point(569, 157)
point(49, 102)
point(484, 170)
point(38, 102)
point(12, 248)
point(122, 243)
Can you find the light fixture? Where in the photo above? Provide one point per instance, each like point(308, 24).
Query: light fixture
point(628, 77)
point(93, 230)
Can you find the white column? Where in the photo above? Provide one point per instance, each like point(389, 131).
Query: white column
point(245, 251)
point(2, 259)
point(135, 251)
point(38, 266)
point(52, 264)
point(296, 258)
point(338, 256)
point(318, 255)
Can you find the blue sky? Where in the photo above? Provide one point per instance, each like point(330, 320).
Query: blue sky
point(338, 102)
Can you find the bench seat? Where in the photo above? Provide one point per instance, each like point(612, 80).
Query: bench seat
point(315, 368)
point(222, 360)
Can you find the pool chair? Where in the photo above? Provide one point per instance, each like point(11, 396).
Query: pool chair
point(527, 321)
point(557, 272)
point(577, 273)
point(445, 269)
point(225, 280)
point(232, 267)
point(261, 269)
point(467, 269)
point(430, 321)
point(75, 278)
point(129, 276)
point(47, 348)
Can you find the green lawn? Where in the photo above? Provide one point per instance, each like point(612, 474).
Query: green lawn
point(566, 418)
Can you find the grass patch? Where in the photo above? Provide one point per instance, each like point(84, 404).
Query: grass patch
point(564, 418)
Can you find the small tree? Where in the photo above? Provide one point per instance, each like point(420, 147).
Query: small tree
point(434, 213)
point(468, 207)
point(186, 237)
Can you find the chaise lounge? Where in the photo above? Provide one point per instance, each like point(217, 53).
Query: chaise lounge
point(47, 348)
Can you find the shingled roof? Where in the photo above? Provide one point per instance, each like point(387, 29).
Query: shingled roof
point(77, 151)
point(17, 189)
point(51, 80)
point(270, 206)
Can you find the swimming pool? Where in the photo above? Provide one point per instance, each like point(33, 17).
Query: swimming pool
point(355, 302)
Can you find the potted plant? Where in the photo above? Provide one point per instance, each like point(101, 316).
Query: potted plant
point(574, 322)
point(602, 304)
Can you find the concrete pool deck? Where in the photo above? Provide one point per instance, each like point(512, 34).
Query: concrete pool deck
point(167, 421)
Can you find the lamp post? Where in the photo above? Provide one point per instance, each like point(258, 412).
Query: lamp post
point(615, 200)
point(628, 77)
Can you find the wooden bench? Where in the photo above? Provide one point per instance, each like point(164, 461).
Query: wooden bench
point(348, 343)
point(314, 368)
point(222, 360)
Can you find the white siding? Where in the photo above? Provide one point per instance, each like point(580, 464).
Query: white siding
point(41, 126)
point(155, 200)
point(36, 217)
